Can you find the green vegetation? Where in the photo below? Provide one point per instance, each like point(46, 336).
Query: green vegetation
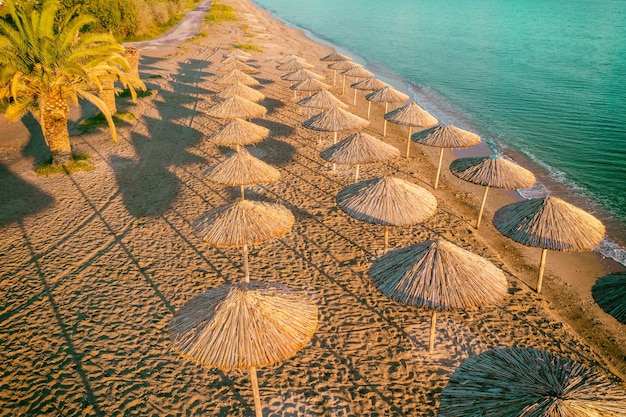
point(47, 64)
point(99, 120)
point(141, 93)
point(79, 162)
point(219, 13)
point(248, 47)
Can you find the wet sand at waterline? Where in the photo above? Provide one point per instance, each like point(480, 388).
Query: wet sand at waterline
point(95, 264)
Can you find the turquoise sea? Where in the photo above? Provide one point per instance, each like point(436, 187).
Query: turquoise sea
point(543, 80)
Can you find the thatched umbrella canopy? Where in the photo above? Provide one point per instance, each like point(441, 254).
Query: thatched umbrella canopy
point(440, 276)
point(236, 76)
point(387, 201)
point(356, 72)
point(293, 65)
point(609, 292)
point(368, 84)
point(238, 52)
point(243, 223)
point(341, 66)
point(411, 115)
point(334, 57)
point(358, 149)
point(323, 99)
point(244, 326)
point(492, 171)
point(301, 75)
point(386, 95)
point(240, 170)
point(238, 133)
point(335, 120)
point(240, 90)
point(447, 136)
point(519, 381)
point(233, 58)
point(549, 223)
point(290, 57)
point(309, 85)
point(236, 107)
point(237, 65)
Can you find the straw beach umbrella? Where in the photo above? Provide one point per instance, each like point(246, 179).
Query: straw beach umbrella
point(610, 294)
point(386, 95)
point(335, 120)
point(236, 76)
point(301, 75)
point(234, 58)
point(492, 171)
point(368, 84)
point(440, 276)
point(241, 90)
point(238, 133)
point(358, 149)
point(238, 53)
point(446, 137)
point(243, 223)
point(293, 65)
point(309, 85)
point(549, 223)
point(244, 326)
point(290, 57)
point(237, 65)
point(412, 116)
point(236, 108)
point(240, 170)
point(334, 57)
point(387, 201)
point(340, 66)
point(322, 99)
point(356, 72)
point(519, 381)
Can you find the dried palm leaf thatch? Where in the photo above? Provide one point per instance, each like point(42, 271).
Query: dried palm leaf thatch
point(242, 169)
point(310, 84)
point(233, 58)
point(293, 65)
point(609, 292)
point(411, 115)
point(237, 133)
point(437, 274)
point(322, 99)
point(335, 119)
point(492, 171)
point(358, 72)
point(237, 52)
point(358, 149)
point(445, 137)
point(368, 84)
point(549, 223)
point(236, 65)
point(244, 325)
point(301, 75)
point(341, 66)
point(243, 222)
point(387, 201)
point(240, 90)
point(334, 57)
point(236, 107)
point(529, 382)
point(386, 94)
point(236, 76)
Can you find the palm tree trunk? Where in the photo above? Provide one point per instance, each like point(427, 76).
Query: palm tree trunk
point(132, 56)
point(108, 94)
point(54, 116)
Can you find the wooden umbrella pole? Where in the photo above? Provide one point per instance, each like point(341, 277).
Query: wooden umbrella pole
point(354, 102)
point(385, 120)
point(482, 207)
point(438, 169)
point(255, 392)
point(242, 191)
point(542, 267)
point(431, 338)
point(343, 86)
point(386, 248)
point(408, 143)
point(369, 109)
point(334, 142)
point(246, 269)
point(334, 78)
point(356, 173)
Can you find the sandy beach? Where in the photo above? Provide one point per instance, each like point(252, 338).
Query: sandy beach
point(95, 264)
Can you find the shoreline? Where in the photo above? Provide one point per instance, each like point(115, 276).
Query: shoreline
point(612, 247)
point(96, 263)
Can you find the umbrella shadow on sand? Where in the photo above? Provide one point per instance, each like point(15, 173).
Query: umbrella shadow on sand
point(18, 198)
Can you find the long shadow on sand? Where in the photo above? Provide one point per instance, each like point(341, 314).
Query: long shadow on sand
point(19, 198)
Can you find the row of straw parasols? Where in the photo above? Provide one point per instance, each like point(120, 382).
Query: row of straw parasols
point(248, 324)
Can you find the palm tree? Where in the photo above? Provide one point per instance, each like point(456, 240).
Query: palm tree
point(47, 64)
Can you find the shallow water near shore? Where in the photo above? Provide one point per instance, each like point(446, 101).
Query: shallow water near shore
point(540, 80)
